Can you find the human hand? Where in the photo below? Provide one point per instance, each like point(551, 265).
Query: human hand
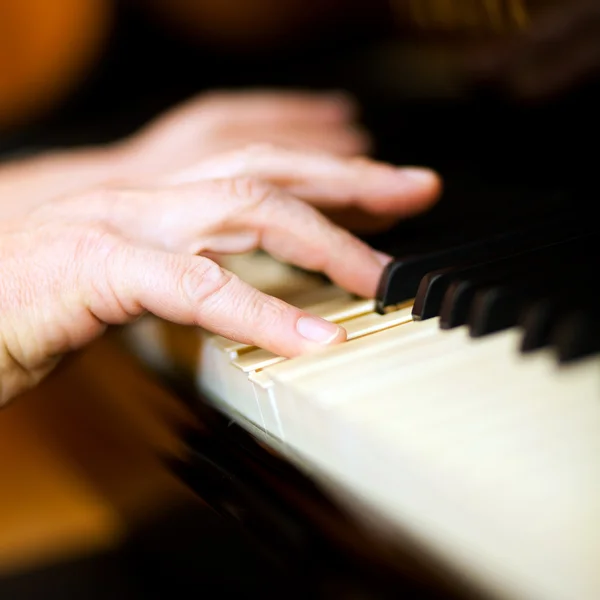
point(204, 126)
point(80, 263)
point(215, 122)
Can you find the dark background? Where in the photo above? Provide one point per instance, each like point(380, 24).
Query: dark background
point(501, 159)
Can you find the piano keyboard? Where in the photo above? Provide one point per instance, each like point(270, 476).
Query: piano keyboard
point(449, 415)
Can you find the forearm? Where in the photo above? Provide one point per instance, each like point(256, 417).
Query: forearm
point(27, 183)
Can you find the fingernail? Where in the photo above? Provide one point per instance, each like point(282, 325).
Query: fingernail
point(317, 330)
point(419, 175)
point(382, 258)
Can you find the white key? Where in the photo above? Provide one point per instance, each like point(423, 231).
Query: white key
point(223, 383)
point(433, 438)
point(359, 327)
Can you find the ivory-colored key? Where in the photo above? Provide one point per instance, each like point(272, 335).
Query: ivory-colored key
point(355, 328)
point(342, 358)
point(271, 277)
point(328, 302)
point(488, 455)
point(268, 275)
point(262, 388)
point(488, 419)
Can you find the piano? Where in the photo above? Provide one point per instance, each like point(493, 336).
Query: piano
point(463, 412)
point(462, 418)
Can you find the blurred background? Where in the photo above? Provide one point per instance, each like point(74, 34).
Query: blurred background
point(500, 96)
point(504, 89)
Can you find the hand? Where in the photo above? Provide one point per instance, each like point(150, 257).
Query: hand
point(379, 196)
point(559, 50)
point(219, 121)
point(77, 264)
point(204, 126)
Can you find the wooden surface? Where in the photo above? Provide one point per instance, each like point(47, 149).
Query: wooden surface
point(80, 459)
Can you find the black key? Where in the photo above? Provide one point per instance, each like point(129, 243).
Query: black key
point(401, 277)
point(456, 304)
point(577, 287)
point(434, 284)
point(577, 335)
point(530, 271)
point(498, 308)
point(502, 307)
point(493, 310)
point(460, 294)
point(430, 293)
point(538, 321)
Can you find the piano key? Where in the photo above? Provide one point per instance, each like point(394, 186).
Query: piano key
point(221, 380)
point(327, 301)
point(540, 318)
point(361, 326)
point(537, 322)
point(337, 359)
point(577, 335)
point(270, 276)
point(434, 284)
point(334, 359)
point(430, 293)
point(256, 360)
point(473, 413)
point(534, 269)
point(485, 455)
point(493, 310)
point(340, 309)
point(401, 277)
point(500, 307)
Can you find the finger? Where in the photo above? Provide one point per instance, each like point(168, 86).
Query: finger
point(344, 140)
point(326, 180)
point(234, 216)
point(295, 232)
point(193, 290)
point(270, 106)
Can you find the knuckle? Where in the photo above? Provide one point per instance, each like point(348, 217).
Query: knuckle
point(250, 190)
point(204, 280)
point(94, 256)
point(266, 310)
point(97, 240)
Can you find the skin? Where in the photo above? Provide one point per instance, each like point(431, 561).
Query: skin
point(100, 236)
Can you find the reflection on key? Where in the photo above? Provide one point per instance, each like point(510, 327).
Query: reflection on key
point(361, 326)
point(374, 322)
